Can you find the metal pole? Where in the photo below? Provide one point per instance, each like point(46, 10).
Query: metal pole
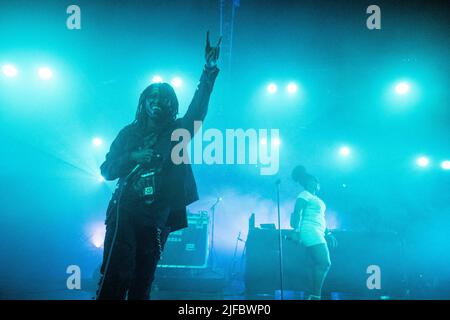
point(280, 240)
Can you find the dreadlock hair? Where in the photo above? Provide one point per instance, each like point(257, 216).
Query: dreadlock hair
point(167, 91)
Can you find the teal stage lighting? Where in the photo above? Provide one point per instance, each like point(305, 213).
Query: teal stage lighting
point(292, 88)
point(9, 70)
point(177, 82)
point(272, 88)
point(344, 151)
point(423, 161)
point(157, 79)
point(445, 164)
point(45, 73)
point(402, 88)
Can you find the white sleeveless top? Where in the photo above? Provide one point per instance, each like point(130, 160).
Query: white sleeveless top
point(313, 215)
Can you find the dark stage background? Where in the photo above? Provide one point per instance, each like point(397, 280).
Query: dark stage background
point(53, 201)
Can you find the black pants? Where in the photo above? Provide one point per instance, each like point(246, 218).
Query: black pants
point(133, 256)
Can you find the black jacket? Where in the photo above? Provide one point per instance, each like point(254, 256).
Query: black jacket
point(178, 187)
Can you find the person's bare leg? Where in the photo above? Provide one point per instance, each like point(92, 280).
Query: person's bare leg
point(321, 264)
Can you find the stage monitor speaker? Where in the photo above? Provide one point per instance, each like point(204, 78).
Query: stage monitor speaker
point(352, 263)
point(188, 248)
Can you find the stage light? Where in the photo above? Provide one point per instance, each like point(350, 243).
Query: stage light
point(176, 82)
point(344, 151)
point(97, 142)
point(9, 70)
point(101, 178)
point(445, 165)
point(263, 141)
point(98, 236)
point(402, 88)
point(157, 79)
point(276, 142)
point(423, 161)
point(45, 73)
point(272, 88)
point(292, 88)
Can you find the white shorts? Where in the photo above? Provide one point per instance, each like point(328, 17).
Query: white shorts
point(311, 236)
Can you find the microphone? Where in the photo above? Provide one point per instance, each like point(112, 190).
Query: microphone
point(217, 201)
point(131, 173)
point(125, 181)
point(135, 169)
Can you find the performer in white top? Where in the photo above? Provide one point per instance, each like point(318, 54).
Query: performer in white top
point(310, 228)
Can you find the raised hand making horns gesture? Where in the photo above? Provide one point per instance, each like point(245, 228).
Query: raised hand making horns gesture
point(211, 53)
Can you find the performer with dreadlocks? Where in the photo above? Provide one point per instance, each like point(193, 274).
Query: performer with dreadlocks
point(152, 192)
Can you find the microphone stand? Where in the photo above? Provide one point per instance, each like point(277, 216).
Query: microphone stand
point(233, 262)
point(211, 249)
point(280, 243)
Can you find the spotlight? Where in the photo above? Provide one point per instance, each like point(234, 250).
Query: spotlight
point(292, 88)
point(272, 88)
point(98, 236)
point(45, 73)
point(263, 141)
point(157, 79)
point(97, 142)
point(423, 161)
point(9, 70)
point(344, 151)
point(176, 82)
point(276, 142)
point(445, 165)
point(101, 179)
point(402, 88)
